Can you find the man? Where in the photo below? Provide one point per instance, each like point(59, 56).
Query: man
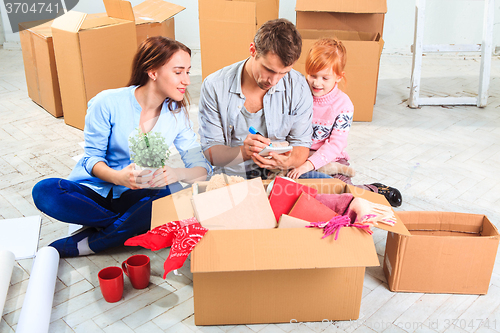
point(262, 91)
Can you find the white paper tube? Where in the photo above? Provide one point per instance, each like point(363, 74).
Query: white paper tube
point(6, 266)
point(37, 305)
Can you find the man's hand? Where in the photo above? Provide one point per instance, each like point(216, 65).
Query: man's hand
point(276, 161)
point(253, 143)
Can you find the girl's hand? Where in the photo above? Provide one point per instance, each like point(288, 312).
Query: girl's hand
point(163, 177)
point(297, 172)
point(133, 179)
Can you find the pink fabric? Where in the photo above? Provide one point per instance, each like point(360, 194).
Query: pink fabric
point(333, 226)
point(181, 235)
point(336, 202)
point(332, 118)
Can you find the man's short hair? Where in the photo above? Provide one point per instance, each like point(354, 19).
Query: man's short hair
point(281, 38)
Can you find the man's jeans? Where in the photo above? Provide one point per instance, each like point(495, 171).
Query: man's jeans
point(118, 219)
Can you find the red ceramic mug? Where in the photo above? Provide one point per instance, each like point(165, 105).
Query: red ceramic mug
point(138, 269)
point(111, 283)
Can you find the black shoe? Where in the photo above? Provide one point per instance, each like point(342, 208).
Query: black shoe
point(390, 193)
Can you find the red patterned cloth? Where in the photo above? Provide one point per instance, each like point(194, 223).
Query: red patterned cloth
point(181, 235)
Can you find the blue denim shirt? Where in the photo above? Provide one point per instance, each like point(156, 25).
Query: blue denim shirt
point(287, 108)
point(112, 116)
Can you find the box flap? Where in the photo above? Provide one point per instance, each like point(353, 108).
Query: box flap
point(71, 21)
point(279, 249)
point(342, 6)
point(40, 28)
point(119, 9)
point(96, 22)
point(173, 207)
point(238, 206)
point(155, 11)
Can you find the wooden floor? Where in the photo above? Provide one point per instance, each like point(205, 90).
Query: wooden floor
point(441, 158)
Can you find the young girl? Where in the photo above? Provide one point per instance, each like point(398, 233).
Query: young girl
point(332, 118)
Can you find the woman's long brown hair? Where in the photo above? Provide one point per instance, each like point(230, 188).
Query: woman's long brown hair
point(153, 53)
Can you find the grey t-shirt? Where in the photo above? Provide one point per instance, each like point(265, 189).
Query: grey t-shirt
point(239, 133)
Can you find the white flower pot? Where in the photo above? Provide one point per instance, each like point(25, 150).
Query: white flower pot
point(146, 168)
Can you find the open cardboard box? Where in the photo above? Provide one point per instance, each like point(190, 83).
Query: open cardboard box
point(228, 27)
point(445, 253)
point(333, 18)
point(95, 52)
point(276, 275)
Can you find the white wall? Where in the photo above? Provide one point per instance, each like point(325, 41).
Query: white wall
point(447, 21)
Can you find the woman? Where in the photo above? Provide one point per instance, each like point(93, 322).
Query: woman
point(104, 191)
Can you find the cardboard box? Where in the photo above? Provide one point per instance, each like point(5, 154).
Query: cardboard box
point(228, 27)
point(359, 25)
point(93, 54)
point(276, 275)
point(445, 253)
point(155, 18)
point(40, 66)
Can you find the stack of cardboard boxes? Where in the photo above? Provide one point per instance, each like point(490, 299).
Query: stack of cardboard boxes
point(71, 59)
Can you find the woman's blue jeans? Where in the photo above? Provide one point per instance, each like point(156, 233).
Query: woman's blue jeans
point(118, 219)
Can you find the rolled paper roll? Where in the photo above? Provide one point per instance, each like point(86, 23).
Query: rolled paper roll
point(37, 305)
point(6, 266)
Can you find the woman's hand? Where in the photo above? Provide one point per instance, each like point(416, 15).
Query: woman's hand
point(164, 176)
point(133, 179)
point(297, 172)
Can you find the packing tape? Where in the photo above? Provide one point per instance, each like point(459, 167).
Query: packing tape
point(37, 305)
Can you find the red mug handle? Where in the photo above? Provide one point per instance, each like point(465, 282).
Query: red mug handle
point(124, 267)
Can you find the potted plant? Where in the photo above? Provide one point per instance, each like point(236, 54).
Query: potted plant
point(148, 151)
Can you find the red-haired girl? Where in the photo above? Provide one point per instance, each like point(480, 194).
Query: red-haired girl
point(332, 117)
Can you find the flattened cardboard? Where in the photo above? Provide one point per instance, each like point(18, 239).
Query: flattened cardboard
point(92, 56)
point(40, 66)
point(446, 253)
point(238, 206)
point(233, 23)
